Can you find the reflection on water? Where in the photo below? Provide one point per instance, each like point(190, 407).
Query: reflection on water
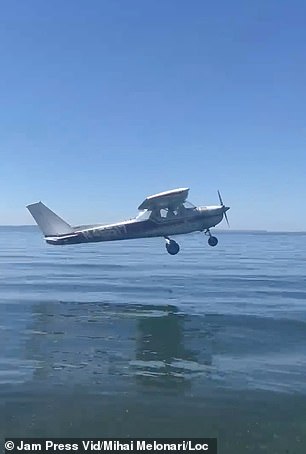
point(164, 355)
point(128, 347)
point(111, 345)
point(102, 369)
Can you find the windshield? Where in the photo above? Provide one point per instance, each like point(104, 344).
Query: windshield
point(188, 205)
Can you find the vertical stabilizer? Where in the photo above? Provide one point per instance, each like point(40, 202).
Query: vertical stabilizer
point(48, 222)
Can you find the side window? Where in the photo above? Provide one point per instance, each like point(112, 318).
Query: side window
point(165, 214)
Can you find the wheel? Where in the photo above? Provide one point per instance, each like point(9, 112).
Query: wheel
point(172, 247)
point(212, 241)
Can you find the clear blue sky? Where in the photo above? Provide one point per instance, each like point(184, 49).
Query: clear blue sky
point(106, 102)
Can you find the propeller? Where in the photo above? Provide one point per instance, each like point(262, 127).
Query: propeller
point(224, 208)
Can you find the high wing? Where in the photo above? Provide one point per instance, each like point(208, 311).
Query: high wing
point(168, 199)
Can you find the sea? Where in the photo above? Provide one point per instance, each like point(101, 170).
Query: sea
point(123, 340)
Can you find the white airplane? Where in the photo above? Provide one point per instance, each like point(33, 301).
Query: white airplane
point(161, 215)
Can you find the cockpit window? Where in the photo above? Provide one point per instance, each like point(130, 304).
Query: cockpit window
point(143, 215)
point(188, 205)
point(166, 214)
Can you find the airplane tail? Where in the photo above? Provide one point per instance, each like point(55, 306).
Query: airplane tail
point(48, 222)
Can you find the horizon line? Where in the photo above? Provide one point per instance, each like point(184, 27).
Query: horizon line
point(215, 229)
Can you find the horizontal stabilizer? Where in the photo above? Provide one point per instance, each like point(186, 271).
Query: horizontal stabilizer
point(48, 222)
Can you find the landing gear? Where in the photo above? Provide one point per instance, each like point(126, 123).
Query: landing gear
point(212, 240)
point(172, 246)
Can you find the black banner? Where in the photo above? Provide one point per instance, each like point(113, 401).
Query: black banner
point(112, 445)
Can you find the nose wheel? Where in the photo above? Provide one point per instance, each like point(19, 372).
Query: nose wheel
point(172, 246)
point(212, 240)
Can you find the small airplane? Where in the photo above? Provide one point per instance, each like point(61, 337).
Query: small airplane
point(161, 215)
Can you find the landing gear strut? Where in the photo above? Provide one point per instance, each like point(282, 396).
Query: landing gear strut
point(172, 246)
point(212, 240)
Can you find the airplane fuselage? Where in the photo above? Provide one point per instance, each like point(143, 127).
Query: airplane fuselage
point(198, 219)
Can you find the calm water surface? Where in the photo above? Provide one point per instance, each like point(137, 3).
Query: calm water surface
point(121, 339)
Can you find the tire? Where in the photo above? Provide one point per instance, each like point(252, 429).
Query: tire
point(212, 241)
point(172, 247)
